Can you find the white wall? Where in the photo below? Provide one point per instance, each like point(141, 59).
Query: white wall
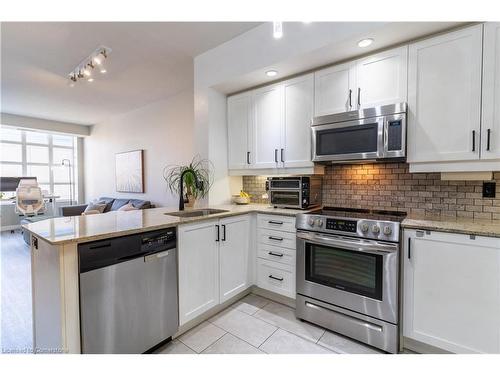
point(163, 129)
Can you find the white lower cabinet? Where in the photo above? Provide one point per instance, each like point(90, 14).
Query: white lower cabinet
point(217, 260)
point(234, 254)
point(276, 254)
point(276, 277)
point(451, 295)
point(198, 258)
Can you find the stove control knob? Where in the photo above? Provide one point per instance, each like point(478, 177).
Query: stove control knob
point(319, 222)
point(311, 221)
point(364, 228)
point(387, 231)
point(375, 229)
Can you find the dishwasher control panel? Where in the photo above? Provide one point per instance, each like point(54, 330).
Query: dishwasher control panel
point(103, 253)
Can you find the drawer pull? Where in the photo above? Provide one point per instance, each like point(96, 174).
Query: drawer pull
point(276, 238)
point(275, 278)
point(275, 254)
point(275, 222)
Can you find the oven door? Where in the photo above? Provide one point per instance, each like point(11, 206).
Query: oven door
point(286, 198)
point(350, 140)
point(359, 275)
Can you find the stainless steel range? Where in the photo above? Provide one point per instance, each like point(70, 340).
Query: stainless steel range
point(348, 273)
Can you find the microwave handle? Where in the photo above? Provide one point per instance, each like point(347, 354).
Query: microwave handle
point(386, 137)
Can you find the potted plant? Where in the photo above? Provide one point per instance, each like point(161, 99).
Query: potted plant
point(192, 191)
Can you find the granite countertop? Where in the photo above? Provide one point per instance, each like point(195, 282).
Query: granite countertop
point(63, 230)
point(479, 227)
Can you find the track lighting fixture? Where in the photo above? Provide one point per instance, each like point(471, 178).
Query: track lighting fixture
point(85, 69)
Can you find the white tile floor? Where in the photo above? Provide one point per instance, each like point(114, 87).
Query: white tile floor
point(256, 325)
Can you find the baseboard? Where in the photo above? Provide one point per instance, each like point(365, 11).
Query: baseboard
point(421, 348)
point(274, 296)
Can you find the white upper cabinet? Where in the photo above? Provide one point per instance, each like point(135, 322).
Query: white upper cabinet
point(239, 127)
point(490, 128)
point(234, 253)
point(444, 97)
point(334, 89)
point(267, 126)
point(382, 78)
point(295, 149)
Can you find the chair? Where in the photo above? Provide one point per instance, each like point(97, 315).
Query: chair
point(29, 198)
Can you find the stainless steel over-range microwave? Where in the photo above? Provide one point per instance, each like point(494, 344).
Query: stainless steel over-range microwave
point(368, 134)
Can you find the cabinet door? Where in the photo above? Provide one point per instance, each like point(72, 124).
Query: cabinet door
point(444, 97)
point(198, 269)
point(382, 78)
point(296, 145)
point(267, 126)
point(490, 128)
point(451, 291)
point(239, 115)
point(234, 256)
point(334, 89)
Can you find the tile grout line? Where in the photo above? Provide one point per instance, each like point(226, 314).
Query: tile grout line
point(276, 330)
point(238, 337)
point(212, 344)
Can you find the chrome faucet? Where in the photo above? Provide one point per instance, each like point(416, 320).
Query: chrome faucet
point(198, 183)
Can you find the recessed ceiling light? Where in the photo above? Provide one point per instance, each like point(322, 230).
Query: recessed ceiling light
point(365, 42)
point(271, 73)
point(90, 80)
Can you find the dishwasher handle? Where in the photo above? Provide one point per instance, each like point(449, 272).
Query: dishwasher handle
point(157, 256)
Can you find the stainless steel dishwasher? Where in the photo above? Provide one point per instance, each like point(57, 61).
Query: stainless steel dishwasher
point(128, 292)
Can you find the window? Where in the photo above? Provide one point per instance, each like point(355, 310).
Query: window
point(40, 155)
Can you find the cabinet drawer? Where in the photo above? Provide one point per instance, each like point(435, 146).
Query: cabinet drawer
point(282, 223)
point(276, 254)
point(276, 238)
point(276, 277)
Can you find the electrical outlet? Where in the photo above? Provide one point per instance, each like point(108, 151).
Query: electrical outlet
point(489, 189)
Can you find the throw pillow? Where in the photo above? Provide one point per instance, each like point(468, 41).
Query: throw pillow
point(99, 206)
point(128, 207)
point(90, 212)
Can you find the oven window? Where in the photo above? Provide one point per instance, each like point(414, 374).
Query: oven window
point(347, 270)
point(289, 198)
point(348, 140)
point(285, 184)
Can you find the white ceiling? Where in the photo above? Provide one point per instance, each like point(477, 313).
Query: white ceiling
point(149, 62)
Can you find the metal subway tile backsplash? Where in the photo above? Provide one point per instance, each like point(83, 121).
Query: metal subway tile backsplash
point(390, 186)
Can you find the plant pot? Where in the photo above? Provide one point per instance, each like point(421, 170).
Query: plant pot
point(191, 201)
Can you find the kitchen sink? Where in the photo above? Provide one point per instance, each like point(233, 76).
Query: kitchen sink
point(196, 213)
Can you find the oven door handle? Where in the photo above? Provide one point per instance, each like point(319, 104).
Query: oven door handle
point(362, 246)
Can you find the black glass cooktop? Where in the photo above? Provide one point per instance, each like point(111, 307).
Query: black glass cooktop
point(361, 213)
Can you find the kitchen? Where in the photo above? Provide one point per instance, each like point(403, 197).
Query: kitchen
point(342, 195)
point(367, 218)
